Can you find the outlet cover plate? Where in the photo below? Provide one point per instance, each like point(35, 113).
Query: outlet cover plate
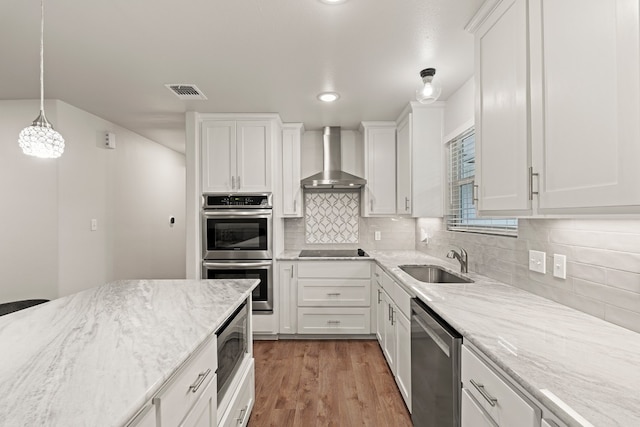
point(537, 261)
point(560, 266)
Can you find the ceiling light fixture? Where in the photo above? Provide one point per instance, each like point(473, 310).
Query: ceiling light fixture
point(428, 91)
point(40, 139)
point(333, 1)
point(328, 96)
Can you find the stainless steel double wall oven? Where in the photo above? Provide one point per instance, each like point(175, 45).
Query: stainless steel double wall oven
point(237, 242)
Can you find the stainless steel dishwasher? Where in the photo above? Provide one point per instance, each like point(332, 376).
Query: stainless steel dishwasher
point(435, 369)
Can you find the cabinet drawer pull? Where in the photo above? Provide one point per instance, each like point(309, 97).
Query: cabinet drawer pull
point(243, 414)
point(333, 322)
point(492, 400)
point(333, 294)
point(201, 377)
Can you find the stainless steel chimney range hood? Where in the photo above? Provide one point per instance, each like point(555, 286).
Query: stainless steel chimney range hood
point(332, 176)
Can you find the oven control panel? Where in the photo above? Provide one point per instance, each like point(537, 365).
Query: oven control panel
point(222, 201)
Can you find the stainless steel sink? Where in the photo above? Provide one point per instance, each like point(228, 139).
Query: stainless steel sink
point(433, 274)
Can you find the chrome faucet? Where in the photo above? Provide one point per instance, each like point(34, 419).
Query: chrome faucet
point(461, 257)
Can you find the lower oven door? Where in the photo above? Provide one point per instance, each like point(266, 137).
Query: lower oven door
point(262, 270)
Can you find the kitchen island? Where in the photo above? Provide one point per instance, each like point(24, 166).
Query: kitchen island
point(96, 357)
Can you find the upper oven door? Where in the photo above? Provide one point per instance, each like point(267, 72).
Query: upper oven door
point(236, 234)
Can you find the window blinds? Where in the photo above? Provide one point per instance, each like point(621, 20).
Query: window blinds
point(462, 215)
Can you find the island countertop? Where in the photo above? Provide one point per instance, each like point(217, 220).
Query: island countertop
point(94, 358)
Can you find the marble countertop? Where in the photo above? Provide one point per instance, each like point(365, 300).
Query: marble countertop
point(585, 370)
point(96, 357)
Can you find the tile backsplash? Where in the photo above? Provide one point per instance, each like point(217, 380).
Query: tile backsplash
point(603, 261)
point(331, 217)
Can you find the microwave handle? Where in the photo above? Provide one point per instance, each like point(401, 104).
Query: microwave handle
point(209, 213)
point(235, 265)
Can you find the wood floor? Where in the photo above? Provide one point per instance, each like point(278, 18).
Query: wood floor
point(325, 383)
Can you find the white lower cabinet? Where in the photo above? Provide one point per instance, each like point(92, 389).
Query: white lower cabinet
point(393, 330)
point(472, 414)
point(205, 410)
point(325, 297)
point(238, 411)
point(493, 397)
point(177, 400)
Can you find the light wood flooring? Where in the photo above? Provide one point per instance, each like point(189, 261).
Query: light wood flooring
point(325, 383)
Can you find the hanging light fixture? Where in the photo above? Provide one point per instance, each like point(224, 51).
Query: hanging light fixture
point(428, 91)
point(40, 139)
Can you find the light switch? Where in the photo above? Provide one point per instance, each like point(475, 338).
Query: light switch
point(94, 224)
point(377, 235)
point(537, 261)
point(560, 266)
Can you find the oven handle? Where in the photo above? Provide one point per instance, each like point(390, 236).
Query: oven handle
point(233, 213)
point(234, 265)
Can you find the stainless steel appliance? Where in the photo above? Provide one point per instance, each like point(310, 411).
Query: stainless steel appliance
point(237, 226)
point(435, 369)
point(245, 269)
point(237, 242)
point(232, 346)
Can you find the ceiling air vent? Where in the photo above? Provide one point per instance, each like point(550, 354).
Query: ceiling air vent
point(186, 92)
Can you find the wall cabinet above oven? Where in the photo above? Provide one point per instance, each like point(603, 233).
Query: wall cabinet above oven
point(236, 155)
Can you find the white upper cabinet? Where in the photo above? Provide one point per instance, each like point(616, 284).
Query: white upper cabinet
point(502, 110)
point(236, 155)
point(291, 189)
point(420, 161)
point(379, 194)
point(585, 58)
point(558, 102)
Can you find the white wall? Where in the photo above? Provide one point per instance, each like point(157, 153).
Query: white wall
point(459, 111)
point(132, 191)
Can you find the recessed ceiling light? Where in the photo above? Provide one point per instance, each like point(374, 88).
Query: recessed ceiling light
point(328, 96)
point(333, 1)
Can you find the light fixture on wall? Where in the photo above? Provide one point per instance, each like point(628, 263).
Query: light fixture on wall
point(428, 91)
point(40, 139)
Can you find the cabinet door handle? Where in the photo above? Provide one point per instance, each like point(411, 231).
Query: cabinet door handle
point(292, 271)
point(492, 400)
point(406, 204)
point(393, 316)
point(531, 175)
point(243, 414)
point(379, 296)
point(239, 182)
point(389, 312)
point(371, 203)
point(233, 182)
point(201, 377)
point(475, 195)
point(295, 205)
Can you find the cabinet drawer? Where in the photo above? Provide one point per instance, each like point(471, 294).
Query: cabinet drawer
point(334, 292)
point(388, 284)
point(177, 397)
point(377, 274)
point(204, 412)
point(334, 269)
point(509, 408)
point(242, 400)
point(334, 320)
point(472, 414)
point(402, 300)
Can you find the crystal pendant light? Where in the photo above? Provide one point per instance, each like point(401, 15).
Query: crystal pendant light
point(40, 139)
point(428, 91)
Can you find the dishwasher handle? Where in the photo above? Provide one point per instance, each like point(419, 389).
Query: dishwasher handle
point(432, 334)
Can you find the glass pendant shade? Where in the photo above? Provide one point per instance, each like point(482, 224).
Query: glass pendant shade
point(428, 91)
point(40, 139)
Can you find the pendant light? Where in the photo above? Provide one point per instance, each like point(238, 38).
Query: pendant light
point(40, 139)
point(428, 91)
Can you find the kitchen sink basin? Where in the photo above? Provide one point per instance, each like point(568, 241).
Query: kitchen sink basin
point(433, 274)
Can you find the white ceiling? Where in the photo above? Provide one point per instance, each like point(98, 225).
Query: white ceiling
point(113, 57)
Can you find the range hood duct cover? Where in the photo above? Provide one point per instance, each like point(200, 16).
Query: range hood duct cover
point(332, 175)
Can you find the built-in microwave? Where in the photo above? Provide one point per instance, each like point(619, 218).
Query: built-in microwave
point(233, 343)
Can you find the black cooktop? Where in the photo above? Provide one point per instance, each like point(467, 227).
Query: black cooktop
point(332, 253)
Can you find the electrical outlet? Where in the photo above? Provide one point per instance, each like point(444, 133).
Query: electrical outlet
point(560, 266)
point(377, 235)
point(537, 261)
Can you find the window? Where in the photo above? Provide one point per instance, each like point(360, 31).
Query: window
point(462, 215)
